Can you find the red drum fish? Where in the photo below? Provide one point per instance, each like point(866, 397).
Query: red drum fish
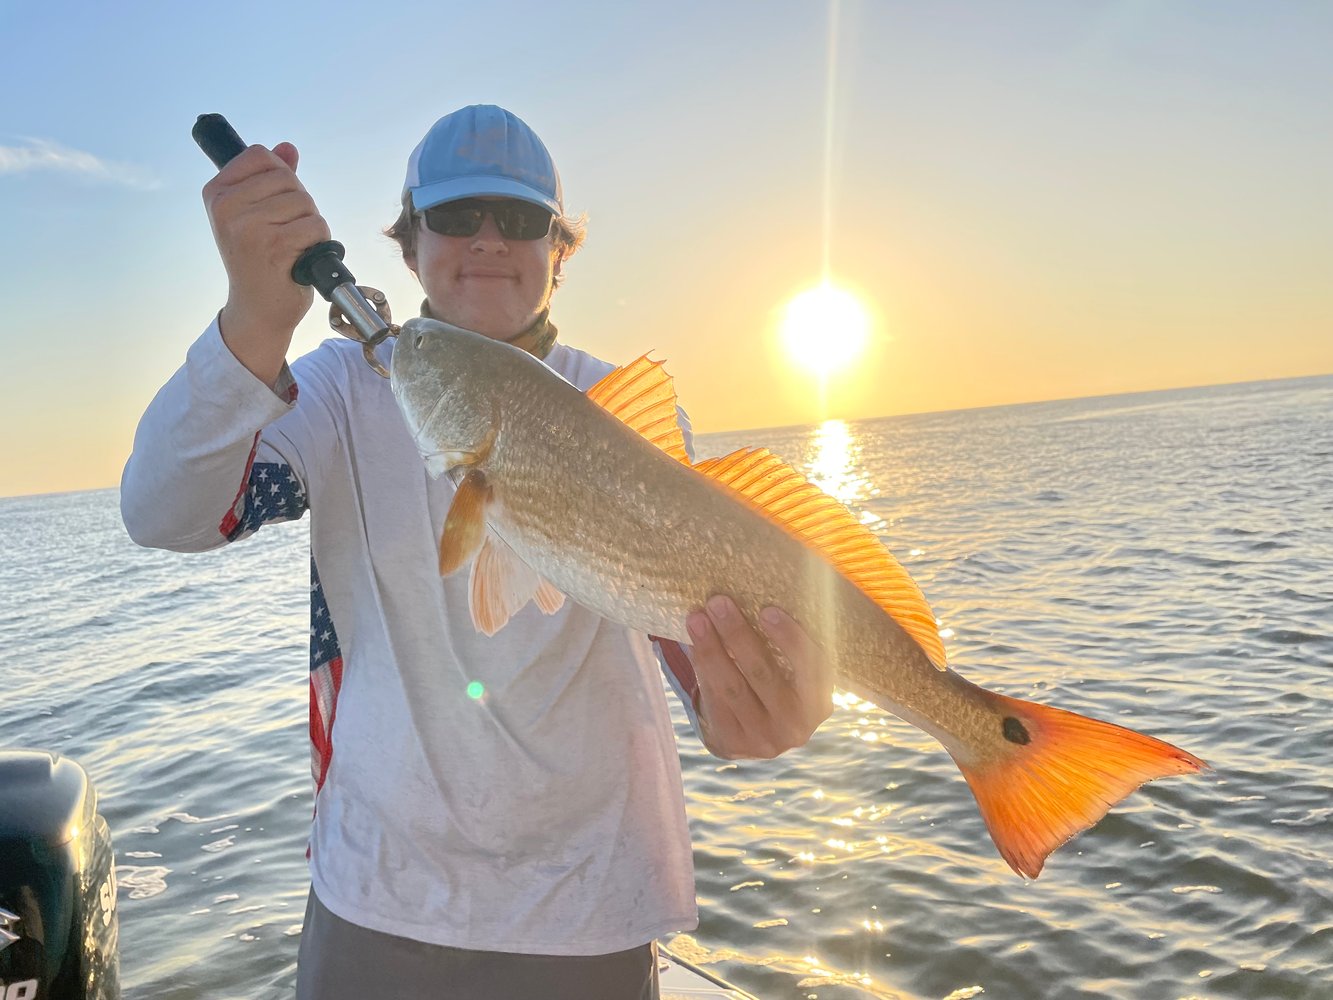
point(594, 497)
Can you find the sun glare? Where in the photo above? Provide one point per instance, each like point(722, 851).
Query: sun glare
point(824, 329)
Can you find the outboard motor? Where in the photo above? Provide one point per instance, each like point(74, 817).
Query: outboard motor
point(58, 928)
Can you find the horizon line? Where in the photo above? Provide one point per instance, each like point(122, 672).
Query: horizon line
point(856, 420)
point(1020, 402)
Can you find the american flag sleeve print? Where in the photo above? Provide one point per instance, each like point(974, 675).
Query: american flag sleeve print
point(273, 493)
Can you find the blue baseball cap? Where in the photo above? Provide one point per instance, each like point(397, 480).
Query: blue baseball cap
point(482, 150)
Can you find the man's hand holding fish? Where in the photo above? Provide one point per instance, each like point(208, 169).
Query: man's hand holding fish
point(751, 704)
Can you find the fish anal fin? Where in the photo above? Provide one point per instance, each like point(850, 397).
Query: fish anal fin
point(641, 395)
point(465, 524)
point(777, 491)
point(1057, 774)
point(501, 583)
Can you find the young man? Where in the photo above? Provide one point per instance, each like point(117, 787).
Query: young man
point(528, 843)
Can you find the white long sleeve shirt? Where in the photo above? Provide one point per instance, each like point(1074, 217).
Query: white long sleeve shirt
point(545, 816)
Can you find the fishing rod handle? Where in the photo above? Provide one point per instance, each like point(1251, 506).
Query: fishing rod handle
point(320, 265)
point(217, 139)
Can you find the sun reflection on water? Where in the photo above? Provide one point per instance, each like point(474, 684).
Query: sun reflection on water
point(837, 454)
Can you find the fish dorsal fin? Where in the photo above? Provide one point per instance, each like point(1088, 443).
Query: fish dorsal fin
point(501, 584)
point(773, 488)
point(641, 396)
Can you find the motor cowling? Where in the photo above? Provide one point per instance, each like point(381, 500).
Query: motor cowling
point(58, 927)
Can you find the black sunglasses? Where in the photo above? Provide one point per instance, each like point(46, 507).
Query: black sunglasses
point(516, 220)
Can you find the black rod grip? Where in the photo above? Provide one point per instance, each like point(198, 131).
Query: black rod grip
point(322, 266)
point(217, 139)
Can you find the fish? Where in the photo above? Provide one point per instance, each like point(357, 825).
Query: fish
point(592, 496)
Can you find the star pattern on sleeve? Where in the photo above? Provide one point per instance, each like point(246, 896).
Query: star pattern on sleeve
point(272, 494)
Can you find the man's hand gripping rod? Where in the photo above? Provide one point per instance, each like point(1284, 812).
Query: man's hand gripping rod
point(351, 313)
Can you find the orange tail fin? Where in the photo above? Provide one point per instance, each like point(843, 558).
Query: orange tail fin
point(1056, 774)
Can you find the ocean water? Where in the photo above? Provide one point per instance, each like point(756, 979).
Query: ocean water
point(1162, 560)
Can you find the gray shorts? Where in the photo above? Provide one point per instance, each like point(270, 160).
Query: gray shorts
point(341, 961)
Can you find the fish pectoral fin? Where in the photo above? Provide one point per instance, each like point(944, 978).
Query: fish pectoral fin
point(502, 583)
point(465, 524)
point(775, 490)
point(642, 397)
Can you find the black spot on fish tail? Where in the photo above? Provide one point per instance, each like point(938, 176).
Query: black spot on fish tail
point(1015, 732)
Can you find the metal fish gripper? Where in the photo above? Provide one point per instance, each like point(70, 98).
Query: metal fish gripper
point(357, 311)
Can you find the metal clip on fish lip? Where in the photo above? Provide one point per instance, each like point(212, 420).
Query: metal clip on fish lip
point(321, 265)
point(361, 313)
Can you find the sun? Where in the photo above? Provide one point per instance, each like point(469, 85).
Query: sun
point(824, 329)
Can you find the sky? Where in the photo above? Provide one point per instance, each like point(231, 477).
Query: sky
point(1035, 200)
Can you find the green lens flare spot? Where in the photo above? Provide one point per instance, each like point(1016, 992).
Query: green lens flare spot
point(475, 690)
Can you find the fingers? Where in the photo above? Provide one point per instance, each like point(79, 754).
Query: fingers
point(256, 160)
point(749, 705)
point(256, 182)
point(726, 707)
point(720, 680)
point(718, 727)
point(748, 651)
point(812, 671)
point(254, 191)
point(251, 162)
point(286, 152)
point(287, 207)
